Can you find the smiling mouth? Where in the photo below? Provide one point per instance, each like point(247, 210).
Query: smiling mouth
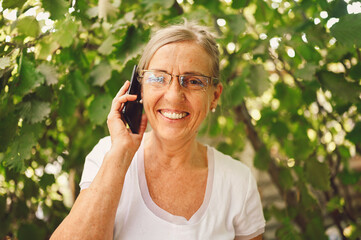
point(173, 115)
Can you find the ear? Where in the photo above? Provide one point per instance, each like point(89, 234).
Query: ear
point(217, 91)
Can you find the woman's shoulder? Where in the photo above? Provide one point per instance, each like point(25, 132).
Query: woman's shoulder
point(228, 166)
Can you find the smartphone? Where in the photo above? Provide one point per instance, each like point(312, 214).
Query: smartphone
point(132, 110)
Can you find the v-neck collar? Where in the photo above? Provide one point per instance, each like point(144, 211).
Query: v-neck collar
point(163, 214)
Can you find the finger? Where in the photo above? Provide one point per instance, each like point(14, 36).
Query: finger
point(119, 101)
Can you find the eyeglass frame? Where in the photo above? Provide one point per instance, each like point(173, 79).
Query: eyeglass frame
point(209, 78)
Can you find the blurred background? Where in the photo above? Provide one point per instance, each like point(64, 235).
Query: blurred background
point(290, 109)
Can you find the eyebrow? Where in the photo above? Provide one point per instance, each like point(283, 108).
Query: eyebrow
point(194, 73)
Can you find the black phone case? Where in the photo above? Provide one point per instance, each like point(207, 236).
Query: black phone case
point(132, 110)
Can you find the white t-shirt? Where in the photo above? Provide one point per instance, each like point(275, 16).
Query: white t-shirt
point(231, 207)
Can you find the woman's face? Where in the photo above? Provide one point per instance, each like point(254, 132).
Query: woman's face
point(173, 111)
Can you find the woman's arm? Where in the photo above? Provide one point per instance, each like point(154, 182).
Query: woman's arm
point(93, 213)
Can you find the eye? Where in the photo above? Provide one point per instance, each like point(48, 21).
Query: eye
point(193, 81)
point(153, 78)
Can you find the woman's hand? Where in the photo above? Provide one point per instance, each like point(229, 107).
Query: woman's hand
point(120, 135)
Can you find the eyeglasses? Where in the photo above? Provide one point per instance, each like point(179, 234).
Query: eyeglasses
point(161, 79)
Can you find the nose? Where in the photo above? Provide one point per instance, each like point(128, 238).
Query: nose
point(174, 92)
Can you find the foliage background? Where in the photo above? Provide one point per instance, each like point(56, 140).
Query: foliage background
point(291, 71)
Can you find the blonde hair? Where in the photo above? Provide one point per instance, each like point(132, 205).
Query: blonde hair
point(179, 33)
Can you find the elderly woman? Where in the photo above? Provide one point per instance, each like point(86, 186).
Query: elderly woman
point(164, 184)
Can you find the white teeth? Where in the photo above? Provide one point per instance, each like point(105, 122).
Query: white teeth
point(173, 115)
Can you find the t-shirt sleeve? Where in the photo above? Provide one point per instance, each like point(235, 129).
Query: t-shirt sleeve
point(250, 222)
point(93, 161)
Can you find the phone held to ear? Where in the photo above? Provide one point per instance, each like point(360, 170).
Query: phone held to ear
point(132, 110)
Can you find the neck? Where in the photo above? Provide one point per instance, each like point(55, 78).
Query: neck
point(175, 154)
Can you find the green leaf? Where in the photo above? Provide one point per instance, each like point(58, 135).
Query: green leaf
point(80, 87)
point(67, 104)
point(28, 26)
point(8, 126)
point(163, 3)
point(307, 72)
point(12, 3)
point(29, 78)
point(101, 73)
point(355, 134)
point(66, 32)
point(285, 178)
point(348, 30)
point(31, 231)
point(99, 108)
point(318, 174)
point(335, 203)
point(355, 72)
point(46, 180)
point(107, 47)
point(5, 62)
point(45, 48)
point(258, 80)
point(262, 159)
point(237, 23)
point(56, 8)
point(20, 149)
point(49, 72)
point(337, 84)
point(237, 4)
point(234, 93)
point(35, 111)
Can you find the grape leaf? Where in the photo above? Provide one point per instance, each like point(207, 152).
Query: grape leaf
point(307, 72)
point(258, 80)
point(49, 72)
point(338, 85)
point(355, 134)
point(56, 8)
point(99, 108)
point(29, 78)
point(28, 26)
point(348, 30)
point(35, 111)
point(101, 73)
point(66, 32)
point(79, 86)
point(13, 3)
point(107, 47)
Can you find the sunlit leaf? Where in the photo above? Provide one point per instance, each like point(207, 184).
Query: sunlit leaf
point(35, 111)
point(348, 30)
point(99, 108)
point(101, 73)
point(12, 3)
point(4, 62)
point(57, 8)
point(107, 46)
point(237, 24)
point(29, 78)
point(49, 72)
point(339, 86)
point(28, 26)
point(66, 31)
point(307, 72)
